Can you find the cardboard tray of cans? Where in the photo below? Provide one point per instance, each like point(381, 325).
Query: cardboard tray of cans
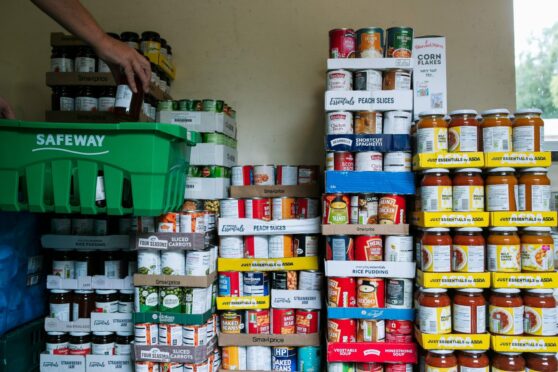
point(312, 339)
point(368, 142)
point(85, 363)
point(308, 190)
point(525, 280)
point(175, 354)
point(378, 269)
point(451, 219)
point(518, 159)
point(242, 302)
point(354, 229)
point(448, 160)
point(453, 280)
point(362, 100)
point(187, 281)
point(99, 322)
point(89, 282)
point(356, 182)
point(523, 219)
point(367, 352)
point(176, 241)
point(453, 341)
point(159, 317)
point(213, 154)
point(369, 63)
point(206, 188)
point(370, 313)
point(248, 226)
point(296, 299)
point(78, 242)
point(198, 121)
point(268, 264)
point(524, 344)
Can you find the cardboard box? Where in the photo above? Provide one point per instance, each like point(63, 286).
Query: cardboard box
point(363, 100)
point(276, 191)
point(206, 188)
point(90, 117)
point(89, 282)
point(525, 280)
point(524, 344)
point(203, 122)
point(429, 74)
point(370, 313)
point(518, 159)
point(172, 318)
point(175, 354)
point(268, 264)
point(296, 299)
point(354, 182)
point(62, 363)
point(213, 154)
point(448, 160)
point(243, 303)
point(379, 269)
point(368, 142)
point(369, 63)
point(523, 219)
point(187, 281)
point(78, 242)
point(453, 280)
point(164, 241)
point(248, 226)
point(103, 363)
point(367, 352)
point(99, 322)
point(451, 219)
point(269, 340)
point(453, 341)
point(351, 229)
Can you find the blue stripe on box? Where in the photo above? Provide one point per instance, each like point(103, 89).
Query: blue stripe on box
point(370, 313)
point(370, 182)
point(368, 142)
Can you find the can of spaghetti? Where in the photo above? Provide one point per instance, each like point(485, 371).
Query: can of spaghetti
point(234, 358)
point(307, 321)
point(306, 208)
point(392, 209)
point(232, 208)
point(397, 80)
point(397, 122)
point(232, 322)
point(341, 291)
point(242, 175)
point(231, 247)
point(339, 122)
point(339, 80)
point(256, 246)
point(368, 248)
point(283, 208)
point(370, 42)
point(398, 248)
point(258, 208)
point(257, 321)
point(255, 284)
point(308, 174)
point(371, 330)
point(369, 80)
point(370, 161)
point(370, 292)
point(309, 280)
point(170, 334)
point(341, 330)
point(281, 246)
point(264, 174)
point(368, 122)
point(342, 43)
point(194, 335)
point(343, 161)
point(340, 248)
point(231, 284)
point(192, 222)
point(286, 174)
point(282, 321)
point(399, 293)
point(305, 245)
point(397, 161)
point(283, 358)
point(146, 334)
point(400, 331)
point(364, 209)
point(169, 222)
point(336, 209)
point(399, 42)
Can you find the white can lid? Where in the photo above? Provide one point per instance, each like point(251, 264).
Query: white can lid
point(464, 112)
point(437, 229)
point(442, 351)
point(102, 333)
point(535, 169)
point(506, 290)
point(469, 229)
point(503, 228)
point(530, 110)
point(541, 291)
point(434, 290)
point(105, 291)
point(540, 229)
point(436, 170)
point(501, 169)
point(476, 170)
point(496, 111)
point(470, 290)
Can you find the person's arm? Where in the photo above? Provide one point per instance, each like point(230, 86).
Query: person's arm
point(76, 18)
point(6, 111)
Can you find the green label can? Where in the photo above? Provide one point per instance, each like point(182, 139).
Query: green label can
point(171, 299)
point(146, 299)
point(214, 171)
point(209, 105)
point(166, 105)
point(399, 42)
point(217, 138)
point(219, 105)
point(185, 105)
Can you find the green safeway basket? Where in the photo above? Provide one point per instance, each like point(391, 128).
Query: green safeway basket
point(55, 167)
point(20, 349)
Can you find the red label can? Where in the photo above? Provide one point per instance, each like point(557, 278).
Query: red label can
point(392, 209)
point(257, 322)
point(283, 208)
point(258, 208)
point(308, 174)
point(341, 292)
point(256, 246)
point(282, 321)
point(286, 174)
point(399, 331)
point(306, 208)
point(369, 248)
point(336, 209)
point(232, 208)
point(242, 175)
point(340, 248)
point(342, 43)
point(341, 330)
point(307, 321)
point(370, 292)
point(343, 161)
point(369, 367)
point(398, 367)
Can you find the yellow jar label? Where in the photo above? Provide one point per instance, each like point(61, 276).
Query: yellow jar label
point(506, 320)
point(467, 258)
point(468, 198)
point(432, 140)
point(436, 258)
point(463, 139)
point(436, 198)
point(436, 369)
point(435, 320)
point(537, 257)
point(540, 321)
point(504, 258)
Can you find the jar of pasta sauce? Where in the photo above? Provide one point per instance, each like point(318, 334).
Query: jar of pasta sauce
point(468, 250)
point(473, 361)
point(508, 362)
point(501, 190)
point(534, 190)
point(496, 130)
point(432, 132)
point(441, 360)
point(434, 311)
point(537, 249)
point(436, 250)
point(541, 362)
point(469, 311)
point(468, 190)
point(464, 133)
point(436, 191)
point(506, 312)
point(528, 130)
point(504, 250)
point(540, 312)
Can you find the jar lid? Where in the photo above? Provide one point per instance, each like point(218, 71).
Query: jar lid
point(469, 229)
point(510, 354)
point(531, 110)
point(541, 291)
point(105, 291)
point(79, 334)
point(127, 291)
point(501, 169)
point(56, 333)
point(441, 351)
point(506, 290)
point(464, 112)
point(470, 290)
point(544, 354)
point(432, 112)
point(102, 333)
point(434, 290)
point(124, 334)
point(83, 291)
point(496, 111)
point(436, 170)
point(59, 291)
point(437, 229)
point(503, 229)
point(536, 169)
point(474, 170)
point(475, 351)
point(540, 229)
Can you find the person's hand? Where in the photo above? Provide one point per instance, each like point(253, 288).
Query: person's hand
point(6, 111)
point(120, 55)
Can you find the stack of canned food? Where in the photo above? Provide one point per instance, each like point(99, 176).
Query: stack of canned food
point(364, 209)
point(189, 104)
point(275, 358)
point(266, 175)
point(370, 42)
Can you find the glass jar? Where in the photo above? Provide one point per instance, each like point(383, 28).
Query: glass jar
point(126, 301)
point(528, 130)
point(102, 65)
point(501, 190)
point(464, 134)
point(506, 312)
point(504, 250)
point(83, 304)
point(57, 343)
point(131, 38)
point(436, 191)
point(534, 190)
point(80, 343)
point(537, 249)
point(86, 99)
point(86, 60)
point(469, 311)
point(102, 343)
point(540, 312)
point(441, 360)
point(112, 264)
point(432, 132)
point(508, 362)
point(434, 311)
point(107, 98)
point(436, 250)
point(468, 250)
point(473, 360)
point(150, 43)
point(163, 47)
point(62, 99)
point(60, 301)
point(63, 264)
point(468, 190)
point(541, 362)
point(61, 60)
point(496, 130)
point(123, 343)
point(85, 264)
point(106, 301)
point(127, 102)
point(169, 53)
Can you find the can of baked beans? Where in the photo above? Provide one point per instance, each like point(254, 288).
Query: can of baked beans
point(258, 208)
point(368, 122)
point(339, 80)
point(308, 174)
point(306, 208)
point(232, 208)
point(281, 246)
point(310, 280)
point(336, 209)
point(146, 334)
point(170, 334)
point(194, 335)
point(232, 322)
point(192, 222)
point(286, 174)
point(339, 122)
point(397, 80)
point(283, 208)
point(231, 284)
point(257, 322)
point(342, 43)
point(392, 209)
point(398, 248)
point(370, 161)
point(242, 175)
point(169, 222)
point(255, 284)
point(370, 292)
point(397, 122)
point(341, 291)
point(343, 161)
point(341, 330)
point(231, 247)
point(370, 80)
point(397, 161)
point(371, 330)
point(400, 331)
point(264, 174)
point(282, 321)
point(340, 248)
point(399, 42)
point(399, 293)
point(292, 280)
point(307, 321)
point(364, 209)
point(368, 248)
point(305, 245)
point(256, 246)
point(370, 42)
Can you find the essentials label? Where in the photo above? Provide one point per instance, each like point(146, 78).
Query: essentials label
point(436, 198)
point(435, 320)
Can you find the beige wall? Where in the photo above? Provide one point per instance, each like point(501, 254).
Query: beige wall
point(267, 58)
